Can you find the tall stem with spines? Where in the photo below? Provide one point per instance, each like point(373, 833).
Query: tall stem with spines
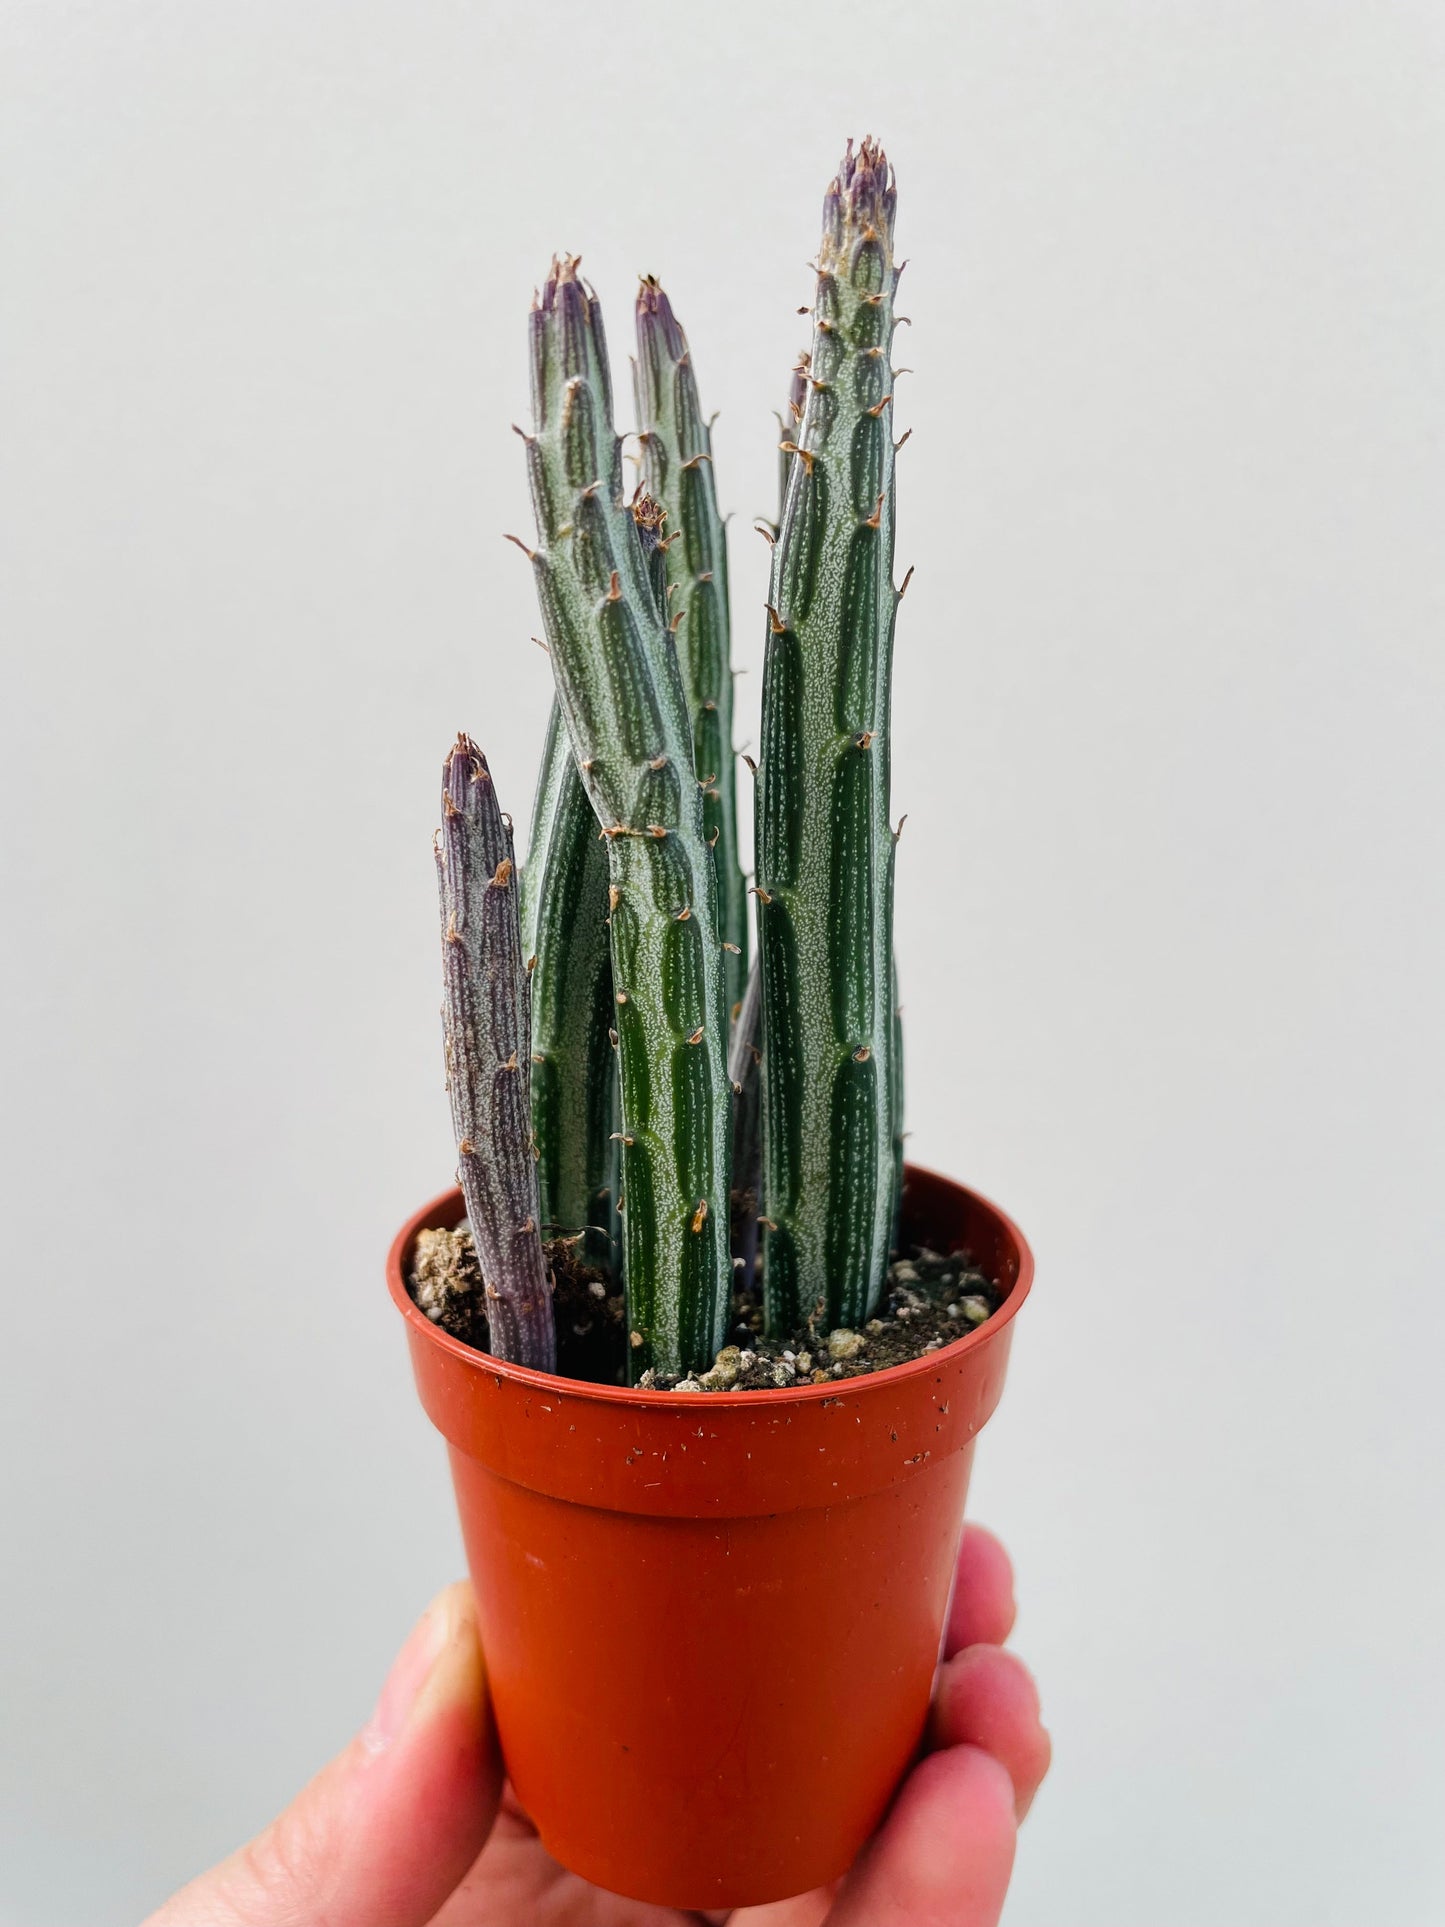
point(485, 1023)
point(745, 1057)
point(574, 1072)
point(825, 848)
point(677, 465)
point(789, 427)
point(620, 689)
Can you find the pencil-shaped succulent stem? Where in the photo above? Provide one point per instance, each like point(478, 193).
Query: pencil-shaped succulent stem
point(745, 1059)
point(615, 663)
point(485, 1025)
point(574, 1071)
point(899, 1135)
point(677, 465)
point(790, 426)
point(823, 838)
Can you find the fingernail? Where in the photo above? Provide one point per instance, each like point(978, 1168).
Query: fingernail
point(439, 1665)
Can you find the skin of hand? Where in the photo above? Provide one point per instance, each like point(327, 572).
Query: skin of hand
point(412, 1824)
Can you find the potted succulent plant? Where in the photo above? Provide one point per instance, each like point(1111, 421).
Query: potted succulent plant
point(711, 1487)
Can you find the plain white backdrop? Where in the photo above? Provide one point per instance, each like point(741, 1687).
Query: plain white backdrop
point(1168, 733)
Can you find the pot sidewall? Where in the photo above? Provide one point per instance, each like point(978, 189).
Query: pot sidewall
point(712, 1622)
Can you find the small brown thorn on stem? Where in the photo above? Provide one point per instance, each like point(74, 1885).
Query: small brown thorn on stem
point(766, 1223)
point(502, 875)
point(735, 949)
point(621, 1137)
point(903, 591)
point(749, 761)
point(697, 1035)
point(677, 622)
point(684, 913)
point(541, 645)
point(901, 821)
point(658, 762)
point(657, 831)
point(862, 1054)
point(622, 997)
point(864, 741)
point(612, 1037)
point(878, 407)
point(876, 518)
point(614, 896)
point(466, 1148)
point(528, 439)
point(531, 554)
point(768, 532)
point(712, 840)
point(614, 588)
point(699, 1217)
point(902, 439)
point(763, 896)
point(775, 621)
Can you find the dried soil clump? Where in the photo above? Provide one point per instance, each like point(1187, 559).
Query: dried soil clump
point(446, 1282)
point(929, 1300)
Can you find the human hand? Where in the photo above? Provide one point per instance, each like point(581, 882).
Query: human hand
point(412, 1825)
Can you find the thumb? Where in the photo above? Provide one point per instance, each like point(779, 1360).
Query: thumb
point(384, 1833)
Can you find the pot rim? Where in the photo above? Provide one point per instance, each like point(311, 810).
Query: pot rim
point(443, 1209)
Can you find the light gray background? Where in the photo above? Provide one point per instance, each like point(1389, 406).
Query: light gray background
point(1168, 735)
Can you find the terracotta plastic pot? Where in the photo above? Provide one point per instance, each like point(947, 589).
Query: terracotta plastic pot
point(712, 1621)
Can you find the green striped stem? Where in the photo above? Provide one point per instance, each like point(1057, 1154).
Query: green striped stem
point(790, 426)
point(574, 1072)
point(677, 464)
point(620, 689)
point(825, 849)
point(745, 1059)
